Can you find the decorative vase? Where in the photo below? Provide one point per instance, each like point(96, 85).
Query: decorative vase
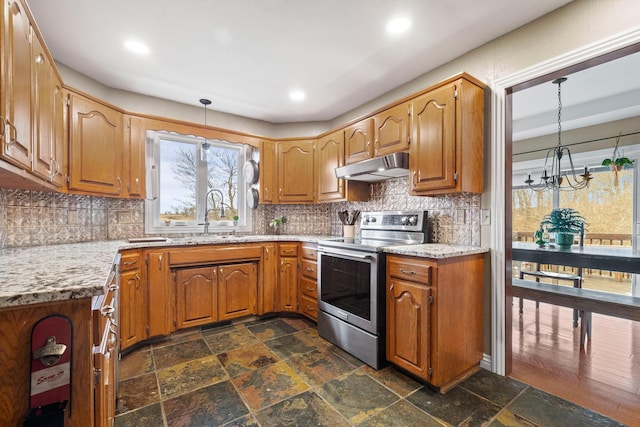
point(564, 240)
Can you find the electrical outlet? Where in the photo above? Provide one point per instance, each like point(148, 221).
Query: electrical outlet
point(460, 216)
point(485, 217)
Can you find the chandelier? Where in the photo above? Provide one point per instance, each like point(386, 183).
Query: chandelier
point(556, 179)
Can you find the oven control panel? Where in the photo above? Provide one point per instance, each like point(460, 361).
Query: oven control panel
point(414, 220)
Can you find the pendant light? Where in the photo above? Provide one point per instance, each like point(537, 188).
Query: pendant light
point(204, 148)
point(556, 179)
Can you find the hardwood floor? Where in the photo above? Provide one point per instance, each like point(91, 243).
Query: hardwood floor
point(604, 376)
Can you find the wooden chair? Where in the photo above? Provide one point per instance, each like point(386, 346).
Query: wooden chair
point(576, 279)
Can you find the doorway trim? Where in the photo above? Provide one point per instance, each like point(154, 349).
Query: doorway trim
point(500, 153)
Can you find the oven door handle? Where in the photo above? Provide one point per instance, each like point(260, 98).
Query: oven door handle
point(347, 254)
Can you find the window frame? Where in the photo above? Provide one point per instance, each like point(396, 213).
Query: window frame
point(152, 211)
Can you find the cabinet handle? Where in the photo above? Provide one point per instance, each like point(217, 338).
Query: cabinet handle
point(113, 287)
point(137, 281)
point(410, 273)
point(137, 185)
point(311, 309)
point(12, 139)
point(415, 178)
point(107, 310)
point(127, 263)
point(310, 269)
point(160, 262)
point(4, 127)
point(119, 183)
point(309, 289)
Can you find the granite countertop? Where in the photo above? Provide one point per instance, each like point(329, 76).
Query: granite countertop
point(80, 270)
point(435, 250)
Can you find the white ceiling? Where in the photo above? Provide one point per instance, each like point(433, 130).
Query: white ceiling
point(597, 95)
point(247, 55)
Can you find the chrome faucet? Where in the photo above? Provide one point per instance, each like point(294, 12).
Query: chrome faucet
point(206, 209)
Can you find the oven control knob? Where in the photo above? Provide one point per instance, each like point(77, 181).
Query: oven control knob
point(403, 220)
point(413, 219)
point(366, 219)
point(373, 219)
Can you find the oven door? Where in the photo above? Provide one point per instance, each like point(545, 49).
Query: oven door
point(349, 286)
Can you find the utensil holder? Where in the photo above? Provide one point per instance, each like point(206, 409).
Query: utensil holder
point(348, 231)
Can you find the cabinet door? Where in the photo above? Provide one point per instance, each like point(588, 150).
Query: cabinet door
point(196, 296)
point(237, 290)
point(288, 284)
point(296, 172)
point(433, 148)
point(269, 278)
point(15, 93)
point(95, 147)
point(160, 299)
point(133, 157)
point(44, 112)
point(268, 172)
point(391, 129)
point(408, 322)
point(358, 141)
point(133, 308)
point(330, 156)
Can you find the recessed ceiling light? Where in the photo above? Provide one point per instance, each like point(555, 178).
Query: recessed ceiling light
point(399, 25)
point(136, 47)
point(297, 95)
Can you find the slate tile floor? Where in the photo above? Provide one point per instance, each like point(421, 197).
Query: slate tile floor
point(278, 372)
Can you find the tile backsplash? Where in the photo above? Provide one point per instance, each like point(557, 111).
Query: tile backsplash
point(33, 218)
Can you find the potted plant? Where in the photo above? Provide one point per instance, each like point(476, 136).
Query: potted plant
point(276, 223)
point(617, 163)
point(565, 222)
point(235, 219)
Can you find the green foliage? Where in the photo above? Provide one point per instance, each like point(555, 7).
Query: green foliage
point(620, 161)
point(563, 220)
point(276, 222)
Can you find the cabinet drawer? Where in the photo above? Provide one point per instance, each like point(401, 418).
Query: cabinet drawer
point(310, 252)
point(288, 249)
point(309, 307)
point(214, 254)
point(309, 269)
point(309, 288)
point(410, 269)
point(130, 260)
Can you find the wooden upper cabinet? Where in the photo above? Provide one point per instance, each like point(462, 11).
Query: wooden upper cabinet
point(268, 172)
point(95, 147)
point(358, 140)
point(48, 117)
point(15, 93)
point(391, 129)
point(134, 157)
point(447, 139)
point(330, 156)
point(296, 171)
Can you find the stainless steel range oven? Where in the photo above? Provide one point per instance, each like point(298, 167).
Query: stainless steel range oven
point(351, 282)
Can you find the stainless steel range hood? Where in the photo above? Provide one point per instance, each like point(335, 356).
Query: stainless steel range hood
point(377, 169)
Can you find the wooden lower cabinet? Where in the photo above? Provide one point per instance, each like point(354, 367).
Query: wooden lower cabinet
point(287, 290)
point(237, 290)
point(196, 293)
point(213, 293)
point(133, 302)
point(408, 310)
point(435, 317)
point(16, 324)
point(270, 267)
point(309, 281)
